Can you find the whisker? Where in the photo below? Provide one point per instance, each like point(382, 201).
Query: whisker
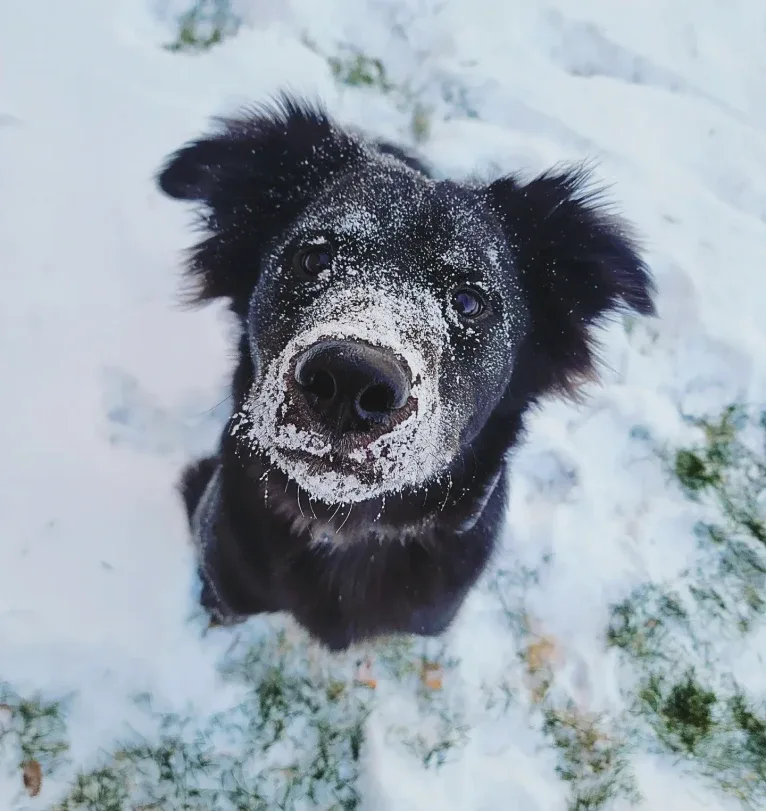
point(299, 503)
point(351, 507)
point(449, 491)
point(213, 407)
point(332, 517)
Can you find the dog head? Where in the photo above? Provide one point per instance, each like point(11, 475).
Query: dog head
point(389, 315)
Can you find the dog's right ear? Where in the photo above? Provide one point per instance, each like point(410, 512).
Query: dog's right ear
point(267, 144)
point(252, 177)
point(195, 171)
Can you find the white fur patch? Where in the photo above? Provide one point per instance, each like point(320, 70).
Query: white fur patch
point(414, 451)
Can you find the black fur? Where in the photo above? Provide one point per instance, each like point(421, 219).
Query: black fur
point(403, 562)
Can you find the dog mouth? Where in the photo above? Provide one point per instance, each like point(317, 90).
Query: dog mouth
point(341, 439)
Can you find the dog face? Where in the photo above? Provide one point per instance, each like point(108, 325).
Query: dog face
point(389, 315)
point(382, 328)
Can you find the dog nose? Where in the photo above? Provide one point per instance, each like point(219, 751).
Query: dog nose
point(352, 384)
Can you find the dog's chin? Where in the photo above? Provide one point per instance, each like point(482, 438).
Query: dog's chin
point(352, 467)
point(296, 462)
point(350, 456)
point(330, 480)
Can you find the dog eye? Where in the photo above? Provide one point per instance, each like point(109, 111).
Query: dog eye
point(314, 260)
point(468, 303)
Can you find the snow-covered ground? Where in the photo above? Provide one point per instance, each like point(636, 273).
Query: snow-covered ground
point(108, 386)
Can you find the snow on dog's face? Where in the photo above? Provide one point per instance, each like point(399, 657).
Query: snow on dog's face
point(382, 330)
point(387, 315)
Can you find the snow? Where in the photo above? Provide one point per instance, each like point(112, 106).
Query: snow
point(109, 386)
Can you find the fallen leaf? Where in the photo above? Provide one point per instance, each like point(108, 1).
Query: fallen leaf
point(33, 777)
point(431, 674)
point(364, 675)
point(541, 654)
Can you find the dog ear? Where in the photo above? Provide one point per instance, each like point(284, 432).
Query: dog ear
point(195, 171)
point(578, 263)
point(250, 178)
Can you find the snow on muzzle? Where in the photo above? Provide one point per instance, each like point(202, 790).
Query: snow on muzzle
point(408, 445)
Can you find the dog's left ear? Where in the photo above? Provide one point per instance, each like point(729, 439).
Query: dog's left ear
point(578, 263)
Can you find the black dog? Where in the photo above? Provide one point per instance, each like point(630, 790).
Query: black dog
point(394, 331)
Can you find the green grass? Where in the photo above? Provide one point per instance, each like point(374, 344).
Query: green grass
point(33, 740)
point(681, 711)
point(682, 699)
point(685, 702)
point(416, 97)
point(294, 741)
point(592, 753)
point(205, 24)
point(353, 68)
point(591, 760)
